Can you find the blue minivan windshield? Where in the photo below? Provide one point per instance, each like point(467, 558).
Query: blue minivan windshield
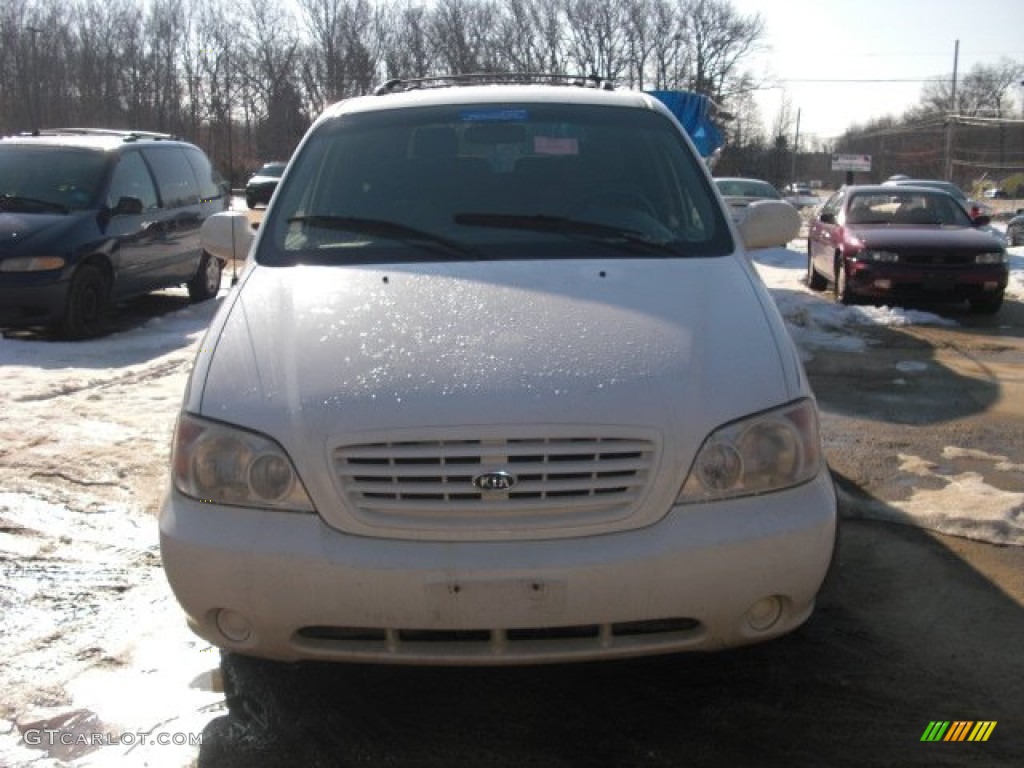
point(50, 179)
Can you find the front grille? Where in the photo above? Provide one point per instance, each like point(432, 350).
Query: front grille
point(561, 479)
point(933, 258)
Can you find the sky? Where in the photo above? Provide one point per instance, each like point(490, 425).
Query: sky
point(89, 548)
point(892, 46)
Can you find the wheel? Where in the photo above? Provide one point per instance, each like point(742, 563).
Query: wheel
point(1015, 236)
point(87, 303)
point(987, 306)
point(815, 281)
point(206, 283)
point(842, 287)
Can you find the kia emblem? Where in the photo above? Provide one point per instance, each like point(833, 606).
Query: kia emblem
point(494, 481)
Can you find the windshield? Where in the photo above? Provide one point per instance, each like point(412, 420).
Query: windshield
point(533, 181)
point(271, 169)
point(747, 188)
point(906, 207)
point(49, 179)
point(945, 186)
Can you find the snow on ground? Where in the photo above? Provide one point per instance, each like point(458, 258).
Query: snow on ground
point(86, 612)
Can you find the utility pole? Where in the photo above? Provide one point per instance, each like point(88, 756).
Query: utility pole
point(796, 148)
point(950, 121)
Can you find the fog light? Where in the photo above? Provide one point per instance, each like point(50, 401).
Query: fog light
point(883, 285)
point(234, 626)
point(763, 614)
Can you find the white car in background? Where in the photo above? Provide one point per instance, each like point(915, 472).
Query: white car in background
point(740, 194)
point(499, 385)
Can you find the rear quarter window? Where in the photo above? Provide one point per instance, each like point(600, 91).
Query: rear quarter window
point(175, 178)
point(210, 182)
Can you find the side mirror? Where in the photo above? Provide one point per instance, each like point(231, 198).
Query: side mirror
point(227, 235)
point(769, 224)
point(827, 218)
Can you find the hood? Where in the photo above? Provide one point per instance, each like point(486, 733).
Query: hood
point(925, 236)
point(33, 230)
point(398, 346)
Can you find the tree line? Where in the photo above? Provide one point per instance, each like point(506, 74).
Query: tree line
point(244, 78)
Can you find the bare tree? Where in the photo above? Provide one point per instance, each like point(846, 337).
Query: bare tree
point(407, 46)
point(985, 91)
point(669, 55)
point(596, 37)
point(719, 41)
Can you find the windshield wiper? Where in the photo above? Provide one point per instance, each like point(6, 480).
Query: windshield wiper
point(563, 225)
point(18, 202)
point(390, 230)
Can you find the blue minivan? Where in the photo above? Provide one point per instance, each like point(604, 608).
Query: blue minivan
point(89, 217)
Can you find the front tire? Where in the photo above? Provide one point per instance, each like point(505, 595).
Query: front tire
point(87, 303)
point(206, 283)
point(842, 285)
point(815, 281)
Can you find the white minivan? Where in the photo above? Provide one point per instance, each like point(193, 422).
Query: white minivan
point(499, 385)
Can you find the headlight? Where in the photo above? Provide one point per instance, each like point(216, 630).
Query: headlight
point(993, 257)
point(764, 453)
point(884, 256)
point(32, 264)
point(225, 465)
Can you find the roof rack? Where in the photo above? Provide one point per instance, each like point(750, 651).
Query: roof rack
point(126, 134)
point(399, 85)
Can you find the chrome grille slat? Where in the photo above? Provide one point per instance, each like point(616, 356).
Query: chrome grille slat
point(559, 480)
point(523, 468)
point(540, 486)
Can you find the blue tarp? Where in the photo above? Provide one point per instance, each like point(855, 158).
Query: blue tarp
point(693, 110)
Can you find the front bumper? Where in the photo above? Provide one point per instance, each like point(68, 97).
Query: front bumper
point(877, 281)
point(25, 302)
point(709, 576)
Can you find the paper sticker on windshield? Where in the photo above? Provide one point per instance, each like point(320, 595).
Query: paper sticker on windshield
point(494, 116)
point(555, 145)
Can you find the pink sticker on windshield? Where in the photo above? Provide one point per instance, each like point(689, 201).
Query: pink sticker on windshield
point(552, 145)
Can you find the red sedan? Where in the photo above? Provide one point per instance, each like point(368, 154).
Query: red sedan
point(889, 244)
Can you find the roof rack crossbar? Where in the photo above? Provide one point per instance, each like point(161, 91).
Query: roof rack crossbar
point(127, 134)
point(399, 85)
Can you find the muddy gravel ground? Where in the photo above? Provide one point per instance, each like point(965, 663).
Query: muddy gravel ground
point(912, 626)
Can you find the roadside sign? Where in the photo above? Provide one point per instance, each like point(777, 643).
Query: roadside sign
point(851, 162)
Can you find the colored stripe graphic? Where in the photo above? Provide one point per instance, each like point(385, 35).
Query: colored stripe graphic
point(958, 730)
point(982, 730)
point(935, 731)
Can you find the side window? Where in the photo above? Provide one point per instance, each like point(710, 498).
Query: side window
point(174, 176)
point(131, 178)
point(833, 204)
point(210, 182)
